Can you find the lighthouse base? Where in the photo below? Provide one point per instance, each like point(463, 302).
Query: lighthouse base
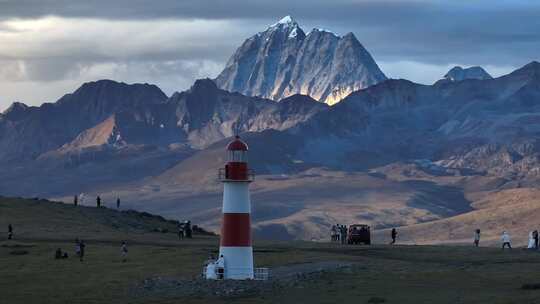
point(238, 262)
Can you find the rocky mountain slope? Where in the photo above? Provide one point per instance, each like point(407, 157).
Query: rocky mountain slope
point(396, 153)
point(115, 115)
point(27, 132)
point(444, 146)
point(283, 60)
point(125, 144)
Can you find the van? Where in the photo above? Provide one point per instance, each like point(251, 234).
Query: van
point(358, 234)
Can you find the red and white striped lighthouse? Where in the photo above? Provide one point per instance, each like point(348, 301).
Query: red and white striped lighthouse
point(235, 245)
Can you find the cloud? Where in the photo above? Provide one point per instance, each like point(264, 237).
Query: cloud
point(170, 75)
point(60, 43)
point(62, 53)
point(53, 49)
point(100, 40)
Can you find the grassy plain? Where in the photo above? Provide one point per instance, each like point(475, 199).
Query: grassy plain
point(379, 273)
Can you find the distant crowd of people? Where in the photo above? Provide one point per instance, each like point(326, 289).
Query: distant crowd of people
point(81, 197)
point(339, 233)
point(80, 249)
point(185, 230)
point(506, 241)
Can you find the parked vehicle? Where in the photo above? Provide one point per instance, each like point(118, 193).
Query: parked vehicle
point(358, 234)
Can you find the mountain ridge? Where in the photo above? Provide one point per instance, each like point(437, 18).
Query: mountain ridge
point(458, 73)
point(416, 150)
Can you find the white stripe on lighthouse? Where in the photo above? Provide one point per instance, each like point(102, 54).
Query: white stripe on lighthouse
point(238, 262)
point(236, 197)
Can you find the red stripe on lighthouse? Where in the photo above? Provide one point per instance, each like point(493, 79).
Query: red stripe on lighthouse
point(236, 230)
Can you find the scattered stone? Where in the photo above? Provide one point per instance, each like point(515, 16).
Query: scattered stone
point(285, 277)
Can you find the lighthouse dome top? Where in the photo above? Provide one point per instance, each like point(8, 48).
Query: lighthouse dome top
point(237, 145)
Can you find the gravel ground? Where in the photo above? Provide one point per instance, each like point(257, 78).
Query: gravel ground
point(280, 277)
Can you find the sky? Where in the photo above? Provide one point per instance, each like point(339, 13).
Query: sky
point(50, 47)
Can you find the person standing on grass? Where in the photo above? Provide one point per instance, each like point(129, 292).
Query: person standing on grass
point(98, 201)
point(77, 247)
point(58, 254)
point(535, 236)
point(393, 234)
point(188, 232)
point(118, 203)
point(10, 232)
point(180, 231)
point(220, 266)
point(343, 234)
point(476, 237)
point(505, 238)
point(75, 200)
point(124, 252)
point(82, 246)
point(335, 233)
point(530, 245)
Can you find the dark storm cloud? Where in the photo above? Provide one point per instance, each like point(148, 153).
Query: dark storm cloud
point(438, 32)
point(204, 9)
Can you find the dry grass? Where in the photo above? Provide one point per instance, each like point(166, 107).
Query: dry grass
point(403, 274)
point(514, 210)
point(400, 274)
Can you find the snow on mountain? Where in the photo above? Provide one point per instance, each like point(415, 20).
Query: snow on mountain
point(287, 20)
point(284, 61)
point(458, 73)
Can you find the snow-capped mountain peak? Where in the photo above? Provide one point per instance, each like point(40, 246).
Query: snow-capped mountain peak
point(287, 20)
point(283, 61)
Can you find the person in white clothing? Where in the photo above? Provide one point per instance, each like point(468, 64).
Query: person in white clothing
point(77, 248)
point(505, 238)
point(531, 241)
point(220, 265)
point(476, 237)
point(123, 252)
point(210, 273)
point(211, 270)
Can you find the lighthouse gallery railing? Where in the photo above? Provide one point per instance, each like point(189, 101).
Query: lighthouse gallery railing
point(222, 175)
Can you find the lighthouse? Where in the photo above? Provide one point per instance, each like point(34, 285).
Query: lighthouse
point(235, 243)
